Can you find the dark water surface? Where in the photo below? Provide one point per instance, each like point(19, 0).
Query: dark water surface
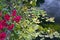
point(52, 7)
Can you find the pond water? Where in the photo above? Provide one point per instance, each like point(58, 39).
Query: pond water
point(52, 7)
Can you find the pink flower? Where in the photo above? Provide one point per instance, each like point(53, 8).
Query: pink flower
point(1, 26)
point(17, 19)
point(14, 12)
point(3, 22)
point(2, 39)
point(7, 17)
point(0, 13)
point(10, 27)
point(2, 36)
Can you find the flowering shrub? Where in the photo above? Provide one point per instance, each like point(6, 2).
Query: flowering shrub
point(5, 25)
point(27, 29)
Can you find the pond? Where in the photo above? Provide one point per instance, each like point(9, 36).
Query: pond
point(52, 7)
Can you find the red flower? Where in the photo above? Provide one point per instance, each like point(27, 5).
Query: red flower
point(10, 27)
point(3, 23)
point(7, 17)
point(14, 12)
point(0, 13)
point(1, 26)
point(2, 36)
point(17, 19)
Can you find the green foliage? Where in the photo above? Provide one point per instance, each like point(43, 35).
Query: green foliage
point(56, 27)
